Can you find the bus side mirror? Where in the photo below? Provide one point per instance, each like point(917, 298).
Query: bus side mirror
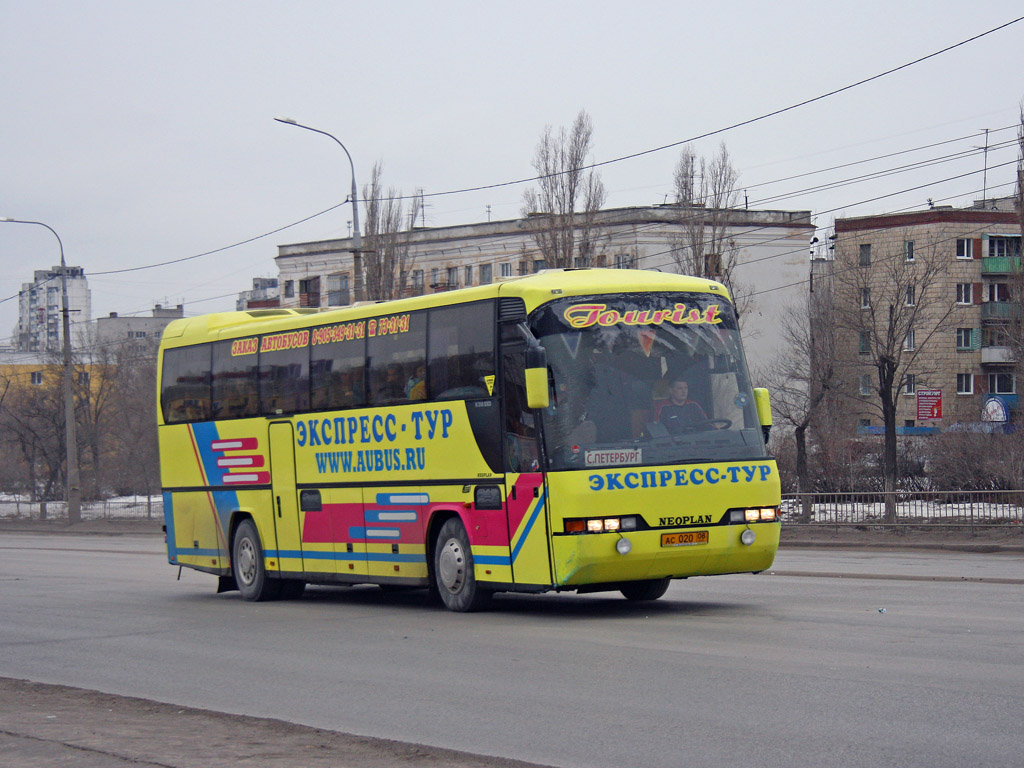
point(764, 410)
point(536, 378)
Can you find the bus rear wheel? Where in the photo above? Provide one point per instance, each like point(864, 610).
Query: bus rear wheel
point(650, 589)
point(453, 570)
point(248, 567)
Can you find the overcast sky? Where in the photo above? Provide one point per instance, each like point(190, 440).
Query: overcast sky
point(143, 132)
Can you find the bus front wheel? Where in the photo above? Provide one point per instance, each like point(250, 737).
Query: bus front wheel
point(453, 570)
point(247, 564)
point(650, 589)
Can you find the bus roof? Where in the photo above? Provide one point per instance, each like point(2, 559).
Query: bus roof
point(535, 290)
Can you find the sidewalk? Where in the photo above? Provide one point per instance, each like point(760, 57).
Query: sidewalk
point(46, 726)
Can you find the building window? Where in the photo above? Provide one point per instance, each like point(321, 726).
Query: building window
point(865, 384)
point(964, 338)
point(909, 385)
point(1004, 246)
point(908, 423)
point(864, 422)
point(468, 275)
point(37, 377)
point(865, 254)
point(908, 249)
point(1002, 383)
point(506, 269)
point(309, 292)
point(865, 342)
point(485, 274)
point(289, 289)
point(911, 296)
point(337, 290)
point(997, 292)
point(908, 342)
point(964, 295)
point(417, 279)
point(964, 248)
point(83, 378)
point(865, 298)
point(453, 277)
point(538, 265)
point(434, 277)
point(965, 384)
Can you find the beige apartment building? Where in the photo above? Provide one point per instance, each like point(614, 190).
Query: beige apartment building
point(937, 293)
point(769, 249)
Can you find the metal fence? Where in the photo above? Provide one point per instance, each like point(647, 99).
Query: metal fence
point(924, 508)
point(141, 508)
point(933, 508)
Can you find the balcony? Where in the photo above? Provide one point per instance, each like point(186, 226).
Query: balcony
point(997, 356)
point(1000, 265)
point(1000, 310)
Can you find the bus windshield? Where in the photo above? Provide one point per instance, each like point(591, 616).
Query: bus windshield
point(643, 379)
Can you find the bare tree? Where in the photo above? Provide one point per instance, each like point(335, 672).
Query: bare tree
point(387, 259)
point(891, 305)
point(706, 192)
point(807, 376)
point(561, 212)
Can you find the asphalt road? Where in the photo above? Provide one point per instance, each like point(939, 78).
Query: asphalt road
point(835, 657)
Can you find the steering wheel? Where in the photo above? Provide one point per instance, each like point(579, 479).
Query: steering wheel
point(708, 425)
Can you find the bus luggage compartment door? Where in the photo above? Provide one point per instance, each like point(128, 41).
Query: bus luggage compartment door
point(285, 508)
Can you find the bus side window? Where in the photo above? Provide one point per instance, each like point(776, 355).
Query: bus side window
point(185, 384)
point(394, 359)
point(235, 383)
point(284, 381)
point(337, 374)
point(521, 453)
point(461, 351)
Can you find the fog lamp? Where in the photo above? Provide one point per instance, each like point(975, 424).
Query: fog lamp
point(623, 546)
point(748, 537)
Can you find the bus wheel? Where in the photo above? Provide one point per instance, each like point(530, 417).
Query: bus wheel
point(247, 564)
point(650, 589)
point(453, 570)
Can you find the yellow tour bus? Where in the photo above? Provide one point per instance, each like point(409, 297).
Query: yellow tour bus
point(587, 430)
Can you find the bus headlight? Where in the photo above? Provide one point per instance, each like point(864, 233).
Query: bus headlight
point(754, 515)
point(600, 524)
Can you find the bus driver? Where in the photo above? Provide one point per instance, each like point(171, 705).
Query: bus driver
point(678, 411)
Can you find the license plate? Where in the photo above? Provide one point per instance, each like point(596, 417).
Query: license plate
point(684, 539)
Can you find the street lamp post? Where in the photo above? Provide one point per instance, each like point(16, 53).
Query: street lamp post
point(357, 242)
point(74, 486)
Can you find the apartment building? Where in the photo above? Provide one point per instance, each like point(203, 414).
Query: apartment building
point(769, 248)
point(942, 288)
point(40, 325)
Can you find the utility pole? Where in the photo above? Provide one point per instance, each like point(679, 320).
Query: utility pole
point(74, 485)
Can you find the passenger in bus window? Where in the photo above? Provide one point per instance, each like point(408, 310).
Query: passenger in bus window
point(416, 386)
point(678, 411)
point(393, 387)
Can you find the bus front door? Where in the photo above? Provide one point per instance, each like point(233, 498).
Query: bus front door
point(285, 507)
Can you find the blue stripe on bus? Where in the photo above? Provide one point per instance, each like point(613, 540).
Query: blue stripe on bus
point(179, 552)
point(492, 560)
point(529, 524)
point(172, 549)
point(372, 557)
